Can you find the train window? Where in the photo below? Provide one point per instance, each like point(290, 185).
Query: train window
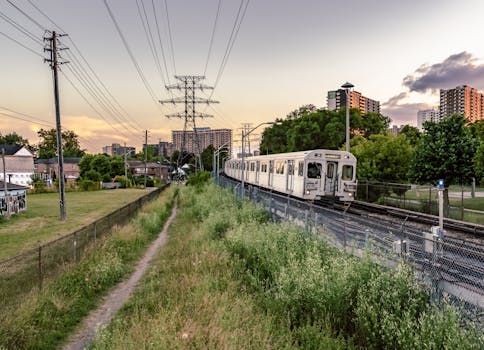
point(279, 167)
point(290, 167)
point(330, 170)
point(257, 167)
point(271, 166)
point(252, 166)
point(347, 172)
point(301, 169)
point(314, 170)
point(264, 167)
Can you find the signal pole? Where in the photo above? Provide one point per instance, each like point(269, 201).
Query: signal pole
point(53, 49)
point(189, 83)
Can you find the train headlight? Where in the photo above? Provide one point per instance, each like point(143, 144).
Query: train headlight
point(308, 192)
point(350, 194)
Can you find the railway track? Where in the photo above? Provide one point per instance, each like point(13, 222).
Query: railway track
point(455, 226)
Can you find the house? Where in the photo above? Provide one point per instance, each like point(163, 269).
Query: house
point(48, 169)
point(19, 165)
point(158, 170)
point(15, 196)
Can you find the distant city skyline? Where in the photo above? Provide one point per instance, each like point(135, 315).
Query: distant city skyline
point(285, 54)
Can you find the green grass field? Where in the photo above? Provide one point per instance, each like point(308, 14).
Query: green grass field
point(40, 223)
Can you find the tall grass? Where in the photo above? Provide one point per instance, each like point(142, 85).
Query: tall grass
point(45, 319)
point(323, 292)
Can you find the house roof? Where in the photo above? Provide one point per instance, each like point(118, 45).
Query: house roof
point(70, 160)
point(11, 150)
point(11, 186)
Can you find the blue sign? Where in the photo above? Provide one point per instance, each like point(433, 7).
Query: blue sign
point(441, 184)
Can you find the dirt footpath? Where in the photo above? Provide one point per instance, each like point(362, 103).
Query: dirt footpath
point(117, 296)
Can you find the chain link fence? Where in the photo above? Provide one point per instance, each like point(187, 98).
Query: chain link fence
point(424, 199)
point(451, 269)
point(28, 271)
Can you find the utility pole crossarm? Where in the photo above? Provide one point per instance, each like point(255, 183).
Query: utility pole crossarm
point(182, 100)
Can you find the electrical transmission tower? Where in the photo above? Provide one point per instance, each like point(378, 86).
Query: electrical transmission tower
point(189, 84)
point(54, 63)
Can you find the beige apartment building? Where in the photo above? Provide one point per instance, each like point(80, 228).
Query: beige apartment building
point(463, 100)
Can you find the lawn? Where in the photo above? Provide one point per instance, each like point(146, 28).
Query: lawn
point(40, 223)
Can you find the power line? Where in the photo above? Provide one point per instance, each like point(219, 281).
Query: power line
point(213, 35)
point(161, 43)
point(133, 59)
point(21, 29)
point(233, 37)
point(127, 116)
point(149, 37)
point(26, 15)
point(19, 43)
point(171, 36)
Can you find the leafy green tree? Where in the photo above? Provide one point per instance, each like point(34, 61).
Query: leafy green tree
point(101, 164)
point(372, 124)
point(207, 158)
point(13, 139)
point(446, 151)
point(382, 157)
point(116, 166)
point(48, 144)
point(479, 163)
point(92, 175)
point(85, 164)
point(412, 134)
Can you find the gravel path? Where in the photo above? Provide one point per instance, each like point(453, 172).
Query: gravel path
point(117, 296)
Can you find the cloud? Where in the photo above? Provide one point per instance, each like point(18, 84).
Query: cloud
point(402, 112)
point(458, 69)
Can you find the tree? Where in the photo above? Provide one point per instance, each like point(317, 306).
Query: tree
point(85, 164)
point(383, 157)
point(116, 166)
point(446, 151)
point(479, 163)
point(48, 144)
point(13, 139)
point(412, 134)
point(101, 164)
point(207, 158)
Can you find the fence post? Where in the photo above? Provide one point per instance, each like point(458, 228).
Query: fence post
point(40, 268)
point(366, 191)
point(75, 248)
point(462, 203)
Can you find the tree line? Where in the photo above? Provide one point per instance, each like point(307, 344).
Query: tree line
point(452, 149)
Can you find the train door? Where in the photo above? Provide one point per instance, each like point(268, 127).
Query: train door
point(331, 178)
point(257, 170)
point(290, 176)
point(271, 173)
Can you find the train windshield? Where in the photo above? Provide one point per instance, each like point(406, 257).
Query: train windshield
point(347, 172)
point(314, 170)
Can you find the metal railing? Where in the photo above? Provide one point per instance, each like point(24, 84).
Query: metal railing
point(450, 268)
point(29, 270)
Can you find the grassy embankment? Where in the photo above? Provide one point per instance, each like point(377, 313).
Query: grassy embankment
point(46, 318)
point(40, 223)
point(229, 279)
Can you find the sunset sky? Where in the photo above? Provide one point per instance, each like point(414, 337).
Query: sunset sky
point(285, 54)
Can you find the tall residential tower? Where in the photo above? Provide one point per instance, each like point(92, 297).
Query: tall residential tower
point(337, 100)
point(463, 100)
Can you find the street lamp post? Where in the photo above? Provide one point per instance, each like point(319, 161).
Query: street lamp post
point(216, 155)
point(244, 135)
point(347, 86)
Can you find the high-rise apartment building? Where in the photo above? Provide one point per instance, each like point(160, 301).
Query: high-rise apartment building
point(337, 100)
point(206, 137)
point(117, 150)
point(463, 100)
point(432, 115)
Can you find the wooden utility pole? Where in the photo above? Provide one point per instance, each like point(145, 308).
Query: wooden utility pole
point(146, 152)
point(5, 187)
point(125, 166)
point(54, 64)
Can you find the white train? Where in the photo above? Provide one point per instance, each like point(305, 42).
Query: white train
point(309, 175)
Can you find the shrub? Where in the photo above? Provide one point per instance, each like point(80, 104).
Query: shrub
point(106, 178)
point(88, 185)
point(92, 175)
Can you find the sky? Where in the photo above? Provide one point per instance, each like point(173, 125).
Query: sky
point(284, 54)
